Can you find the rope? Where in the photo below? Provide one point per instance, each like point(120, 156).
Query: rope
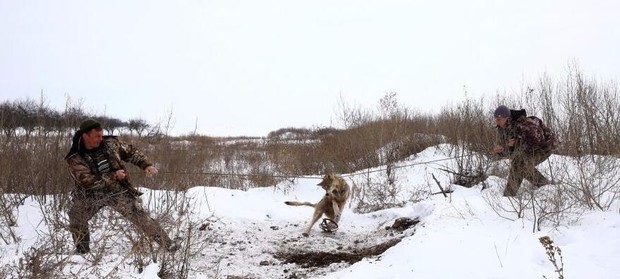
point(313, 176)
point(407, 165)
point(241, 174)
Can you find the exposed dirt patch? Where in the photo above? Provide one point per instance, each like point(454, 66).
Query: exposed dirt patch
point(321, 259)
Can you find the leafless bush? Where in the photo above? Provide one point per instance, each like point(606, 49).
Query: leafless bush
point(554, 207)
point(582, 111)
point(46, 257)
point(551, 205)
point(176, 211)
point(471, 169)
point(375, 194)
point(593, 181)
point(114, 235)
point(467, 126)
point(8, 217)
point(42, 262)
point(514, 209)
point(382, 140)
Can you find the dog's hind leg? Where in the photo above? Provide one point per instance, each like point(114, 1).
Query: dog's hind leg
point(315, 217)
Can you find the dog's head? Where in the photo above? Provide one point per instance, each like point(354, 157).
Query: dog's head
point(334, 193)
point(327, 181)
point(335, 186)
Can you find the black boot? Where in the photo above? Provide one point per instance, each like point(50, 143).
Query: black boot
point(81, 248)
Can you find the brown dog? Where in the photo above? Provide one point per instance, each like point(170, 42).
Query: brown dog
point(336, 194)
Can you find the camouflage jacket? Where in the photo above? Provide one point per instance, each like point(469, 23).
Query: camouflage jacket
point(530, 134)
point(86, 175)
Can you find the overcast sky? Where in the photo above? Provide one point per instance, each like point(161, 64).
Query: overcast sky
point(242, 67)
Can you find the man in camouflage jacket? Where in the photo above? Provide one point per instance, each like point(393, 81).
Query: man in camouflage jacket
point(527, 141)
point(96, 164)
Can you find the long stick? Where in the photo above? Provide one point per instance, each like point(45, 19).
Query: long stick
point(438, 184)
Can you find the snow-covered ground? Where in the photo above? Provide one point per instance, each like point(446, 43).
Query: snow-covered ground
point(473, 233)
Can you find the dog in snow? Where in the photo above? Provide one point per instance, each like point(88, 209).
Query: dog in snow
point(337, 192)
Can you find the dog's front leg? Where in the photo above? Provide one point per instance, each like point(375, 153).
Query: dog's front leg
point(337, 211)
point(315, 217)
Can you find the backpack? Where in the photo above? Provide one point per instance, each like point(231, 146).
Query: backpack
point(538, 135)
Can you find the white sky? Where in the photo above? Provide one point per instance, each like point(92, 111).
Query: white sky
point(250, 67)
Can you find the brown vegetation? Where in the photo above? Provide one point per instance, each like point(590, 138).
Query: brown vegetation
point(36, 137)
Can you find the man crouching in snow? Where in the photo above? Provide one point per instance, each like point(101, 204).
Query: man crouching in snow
point(527, 141)
point(96, 165)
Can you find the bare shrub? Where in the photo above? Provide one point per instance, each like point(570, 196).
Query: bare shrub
point(582, 111)
point(467, 126)
point(114, 235)
point(8, 217)
point(551, 205)
point(593, 181)
point(46, 257)
point(518, 206)
point(554, 207)
point(375, 194)
point(382, 141)
point(42, 262)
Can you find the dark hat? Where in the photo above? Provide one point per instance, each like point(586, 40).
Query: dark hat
point(88, 125)
point(501, 111)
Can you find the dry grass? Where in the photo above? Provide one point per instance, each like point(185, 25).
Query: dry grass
point(583, 112)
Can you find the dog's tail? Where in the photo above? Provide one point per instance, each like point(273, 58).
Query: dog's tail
point(296, 203)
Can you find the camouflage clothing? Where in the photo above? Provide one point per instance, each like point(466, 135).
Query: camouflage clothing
point(530, 134)
point(523, 166)
point(534, 143)
point(86, 174)
point(96, 186)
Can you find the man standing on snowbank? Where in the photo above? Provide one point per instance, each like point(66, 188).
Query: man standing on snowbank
point(527, 141)
point(96, 164)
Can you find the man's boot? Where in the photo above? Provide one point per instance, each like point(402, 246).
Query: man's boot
point(81, 248)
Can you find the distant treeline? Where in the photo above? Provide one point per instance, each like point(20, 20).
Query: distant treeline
point(29, 117)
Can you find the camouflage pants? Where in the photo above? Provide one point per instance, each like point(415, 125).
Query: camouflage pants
point(86, 204)
point(523, 166)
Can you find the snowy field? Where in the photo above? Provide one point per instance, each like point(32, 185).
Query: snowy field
point(472, 233)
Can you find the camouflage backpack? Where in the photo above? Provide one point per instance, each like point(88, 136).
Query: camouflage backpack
point(538, 135)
